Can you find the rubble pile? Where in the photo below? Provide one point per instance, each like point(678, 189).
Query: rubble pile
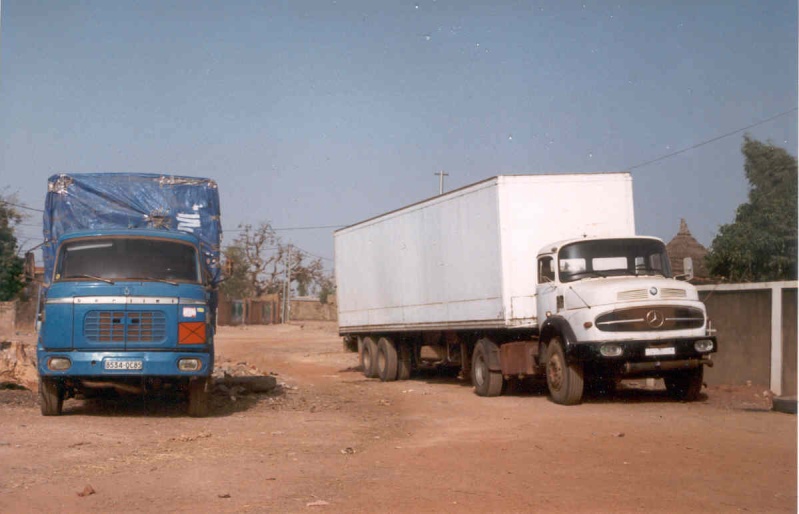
point(238, 379)
point(18, 364)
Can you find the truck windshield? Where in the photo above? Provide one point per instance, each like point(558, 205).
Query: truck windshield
point(119, 258)
point(613, 257)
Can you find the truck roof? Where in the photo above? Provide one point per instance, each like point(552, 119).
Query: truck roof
point(141, 232)
point(557, 245)
point(495, 178)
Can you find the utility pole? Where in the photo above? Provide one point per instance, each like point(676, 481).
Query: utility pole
point(287, 290)
point(441, 176)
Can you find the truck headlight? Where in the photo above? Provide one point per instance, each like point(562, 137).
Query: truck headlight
point(190, 364)
point(611, 350)
point(59, 363)
point(703, 345)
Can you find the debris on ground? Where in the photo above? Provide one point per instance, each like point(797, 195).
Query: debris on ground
point(183, 438)
point(317, 503)
point(233, 380)
point(87, 491)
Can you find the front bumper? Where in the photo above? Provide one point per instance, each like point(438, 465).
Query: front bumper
point(153, 364)
point(634, 357)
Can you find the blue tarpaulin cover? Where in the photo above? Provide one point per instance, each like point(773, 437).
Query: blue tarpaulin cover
point(100, 201)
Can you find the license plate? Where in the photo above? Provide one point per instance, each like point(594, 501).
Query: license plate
point(659, 351)
point(124, 365)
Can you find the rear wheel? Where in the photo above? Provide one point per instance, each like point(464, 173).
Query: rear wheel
point(564, 380)
point(685, 384)
point(386, 360)
point(51, 397)
point(405, 361)
point(485, 381)
point(369, 357)
point(199, 397)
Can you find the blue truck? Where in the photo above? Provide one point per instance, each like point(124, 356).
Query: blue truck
point(130, 289)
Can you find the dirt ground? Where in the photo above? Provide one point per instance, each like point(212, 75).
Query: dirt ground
point(330, 440)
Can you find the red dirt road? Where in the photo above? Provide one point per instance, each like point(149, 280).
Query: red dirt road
point(333, 441)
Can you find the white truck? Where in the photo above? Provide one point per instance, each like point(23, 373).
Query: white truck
point(521, 276)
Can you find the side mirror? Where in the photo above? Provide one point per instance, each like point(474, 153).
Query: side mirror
point(688, 270)
point(30, 267)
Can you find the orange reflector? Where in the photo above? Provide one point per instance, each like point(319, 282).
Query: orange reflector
point(191, 333)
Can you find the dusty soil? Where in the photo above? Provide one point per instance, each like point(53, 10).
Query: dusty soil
point(330, 440)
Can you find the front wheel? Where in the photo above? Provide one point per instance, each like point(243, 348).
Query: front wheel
point(565, 380)
point(199, 397)
point(684, 385)
point(51, 397)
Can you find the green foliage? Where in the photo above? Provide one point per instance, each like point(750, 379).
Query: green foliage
point(761, 245)
point(236, 284)
point(327, 287)
point(11, 265)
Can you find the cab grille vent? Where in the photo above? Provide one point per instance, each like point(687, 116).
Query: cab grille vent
point(125, 327)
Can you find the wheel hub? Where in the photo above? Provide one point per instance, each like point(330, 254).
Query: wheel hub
point(555, 372)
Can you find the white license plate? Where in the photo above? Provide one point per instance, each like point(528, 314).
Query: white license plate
point(659, 351)
point(123, 364)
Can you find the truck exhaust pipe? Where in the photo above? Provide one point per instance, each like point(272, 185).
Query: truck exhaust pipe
point(121, 388)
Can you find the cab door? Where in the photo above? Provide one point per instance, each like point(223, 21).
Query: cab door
point(546, 289)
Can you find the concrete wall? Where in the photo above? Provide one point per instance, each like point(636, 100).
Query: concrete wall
point(257, 311)
point(743, 322)
point(757, 333)
point(789, 340)
point(306, 310)
point(8, 319)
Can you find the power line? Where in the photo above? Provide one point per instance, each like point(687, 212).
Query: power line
point(21, 206)
point(285, 229)
point(703, 143)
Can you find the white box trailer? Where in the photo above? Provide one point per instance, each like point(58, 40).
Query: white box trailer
point(466, 259)
point(520, 275)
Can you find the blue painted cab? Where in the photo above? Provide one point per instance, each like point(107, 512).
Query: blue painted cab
point(129, 303)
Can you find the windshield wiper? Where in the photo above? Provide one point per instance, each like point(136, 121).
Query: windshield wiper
point(101, 279)
point(153, 279)
point(587, 272)
point(649, 271)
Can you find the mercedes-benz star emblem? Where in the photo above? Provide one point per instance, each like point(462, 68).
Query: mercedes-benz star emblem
point(655, 319)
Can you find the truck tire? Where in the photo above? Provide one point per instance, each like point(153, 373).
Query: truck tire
point(369, 357)
point(51, 397)
point(485, 381)
point(386, 360)
point(405, 361)
point(685, 385)
point(564, 380)
point(199, 397)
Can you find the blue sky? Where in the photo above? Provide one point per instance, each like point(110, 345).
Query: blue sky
point(326, 113)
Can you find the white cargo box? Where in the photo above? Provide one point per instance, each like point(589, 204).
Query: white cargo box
point(467, 259)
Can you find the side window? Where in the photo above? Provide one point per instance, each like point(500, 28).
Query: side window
point(546, 270)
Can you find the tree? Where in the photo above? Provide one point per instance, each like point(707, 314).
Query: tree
point(259, 260)
point(11, 264)
point(236, 283)
point(761, 245)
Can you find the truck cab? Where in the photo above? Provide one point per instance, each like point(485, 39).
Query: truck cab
point(610, 308)
point(129, 295)
point(129, 310)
